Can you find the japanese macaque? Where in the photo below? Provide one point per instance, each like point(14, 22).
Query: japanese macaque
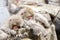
point(11, 26)
point(27, 13)
point(35, 20)
point(15, 20)
point(12, 6)
point(16, 23)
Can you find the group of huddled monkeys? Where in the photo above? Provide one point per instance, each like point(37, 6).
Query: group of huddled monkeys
point(27, 24)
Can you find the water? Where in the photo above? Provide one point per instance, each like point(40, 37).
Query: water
point(4, 14)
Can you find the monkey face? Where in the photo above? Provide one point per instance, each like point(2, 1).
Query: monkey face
point(15, 27)
point(28, 13)
point(15, 22)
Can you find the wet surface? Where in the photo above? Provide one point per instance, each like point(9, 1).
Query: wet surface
point(4, 15)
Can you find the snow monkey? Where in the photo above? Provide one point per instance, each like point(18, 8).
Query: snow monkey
point(15, 20)
point(16, 23)
point(15, 4)
point(12, 6)
point(27, 13)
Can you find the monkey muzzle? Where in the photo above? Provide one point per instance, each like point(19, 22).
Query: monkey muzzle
point(15, 27)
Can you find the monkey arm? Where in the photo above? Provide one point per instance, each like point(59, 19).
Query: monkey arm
point(8, 30)
point(3, 35)
point(37, 28)
point(42, 19)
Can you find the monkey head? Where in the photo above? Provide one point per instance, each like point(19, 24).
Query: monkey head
point(15, 22)
point(26, 13)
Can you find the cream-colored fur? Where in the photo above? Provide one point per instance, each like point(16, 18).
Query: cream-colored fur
point(15, 20)
point(36, 16)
